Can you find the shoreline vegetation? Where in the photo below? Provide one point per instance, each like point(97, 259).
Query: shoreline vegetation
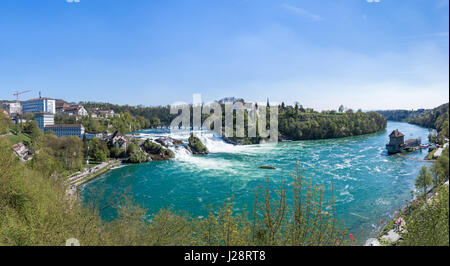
point(34, 198)
point(423, 221)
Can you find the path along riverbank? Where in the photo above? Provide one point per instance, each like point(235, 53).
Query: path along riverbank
point(89, 174)
point(414, 159)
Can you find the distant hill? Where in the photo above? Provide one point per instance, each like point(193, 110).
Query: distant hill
point(400, 115)
point(434, 118)
point(430, 118)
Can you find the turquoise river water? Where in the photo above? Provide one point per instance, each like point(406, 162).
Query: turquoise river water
point(369, 184)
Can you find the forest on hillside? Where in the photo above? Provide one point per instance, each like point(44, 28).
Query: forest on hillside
point(295, 122)
point(430, 118)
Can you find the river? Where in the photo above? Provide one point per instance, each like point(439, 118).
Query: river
point(369, 184)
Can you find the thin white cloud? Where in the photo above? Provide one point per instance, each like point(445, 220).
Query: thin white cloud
point(302, 12)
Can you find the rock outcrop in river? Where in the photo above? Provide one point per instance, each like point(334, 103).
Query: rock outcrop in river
point(196, 146)
point(156, 151)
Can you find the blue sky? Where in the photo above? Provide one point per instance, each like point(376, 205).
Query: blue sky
point(372, 55)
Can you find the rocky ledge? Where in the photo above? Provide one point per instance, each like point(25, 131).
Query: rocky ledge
point(196, 146)
point(156, 151)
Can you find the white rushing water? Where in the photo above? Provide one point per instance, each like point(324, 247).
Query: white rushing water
point(213, 142)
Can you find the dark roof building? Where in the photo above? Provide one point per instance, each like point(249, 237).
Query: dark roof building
point(38, 99)
point(396, 141)
point(117, 134)
point(398, 144)
point(396, 134)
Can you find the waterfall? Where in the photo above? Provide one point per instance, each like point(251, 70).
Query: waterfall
point(216, 144)
point(180, 152)
point(211, 140)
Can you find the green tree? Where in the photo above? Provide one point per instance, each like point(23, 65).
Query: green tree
point(116, 152)
point(32, 129)
point(99, 156)
point(4, 123)
point(440, 168)
point(424, 179)
point(428, 224)
point(45, 162)
point(132, 148)
point(98, 150)
point(155, 122)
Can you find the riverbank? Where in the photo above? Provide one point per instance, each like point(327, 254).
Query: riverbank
point(391, 233)
point(91, 173)
point(396, 228)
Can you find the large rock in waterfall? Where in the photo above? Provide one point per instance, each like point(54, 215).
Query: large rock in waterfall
point(168, 141)
point(156, 151)
point(196, 146)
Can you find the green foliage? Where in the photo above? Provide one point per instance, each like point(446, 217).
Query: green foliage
point(424, 179)
point(98, 150)
point(156, 151)
point(138, 157)
point(69, 150)
point(428, 224)
point(56, 156)
point(34, 209)
point(99, 156)
point(135, 154)
point(440, 169)
point(132, 148)
point(155, 122)
point(434, 118)
point(32, 129)
point(46, 163)
point(305, 126)
point(151, 147)
point(196, 145)
point(123, 122)
point(5, 123)
point(116, 152)
point(20, 137)
point(400, 115)
point(154, 116)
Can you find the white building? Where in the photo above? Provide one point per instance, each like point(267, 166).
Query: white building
point(20, 150)
point(44, 119)
point(96, 113)
point(12, 108)
point(39, 105)
point(77, 110)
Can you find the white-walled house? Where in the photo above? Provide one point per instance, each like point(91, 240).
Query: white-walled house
point(75, 109)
